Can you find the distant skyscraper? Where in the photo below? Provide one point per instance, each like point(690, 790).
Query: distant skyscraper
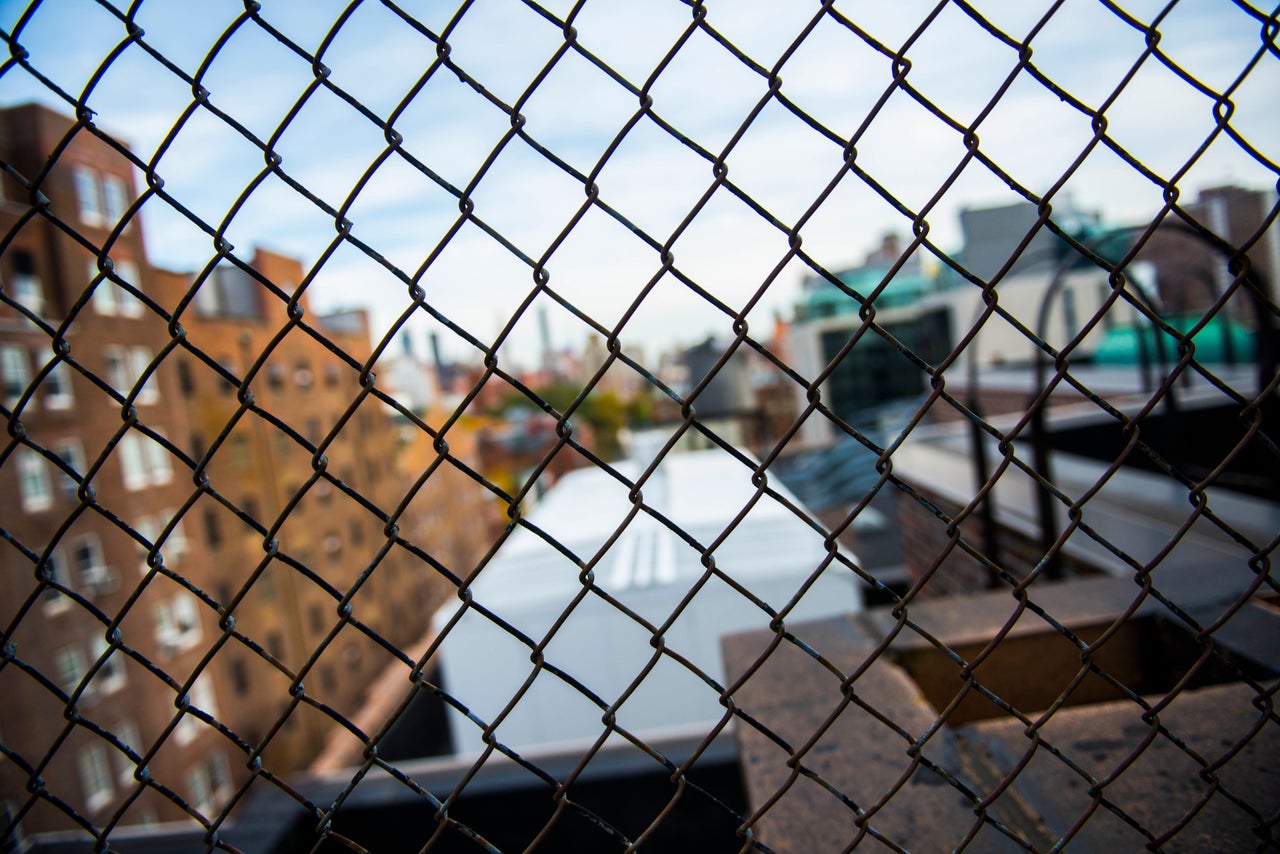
point(549, 361)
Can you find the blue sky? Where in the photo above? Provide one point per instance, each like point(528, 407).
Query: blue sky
point(650, 178)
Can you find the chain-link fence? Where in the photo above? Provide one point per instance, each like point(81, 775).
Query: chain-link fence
point(956, 548)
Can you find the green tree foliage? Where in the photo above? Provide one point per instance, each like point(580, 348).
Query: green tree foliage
point(603, 411)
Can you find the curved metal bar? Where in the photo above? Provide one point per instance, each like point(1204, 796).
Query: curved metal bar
point(1040, 454)
point(1039, 431)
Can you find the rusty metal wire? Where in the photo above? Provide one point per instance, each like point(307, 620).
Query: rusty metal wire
point(964, 530)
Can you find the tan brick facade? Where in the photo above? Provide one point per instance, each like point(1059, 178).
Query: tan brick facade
point(268, 498)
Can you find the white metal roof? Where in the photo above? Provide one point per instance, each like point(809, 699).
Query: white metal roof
point(648, 569)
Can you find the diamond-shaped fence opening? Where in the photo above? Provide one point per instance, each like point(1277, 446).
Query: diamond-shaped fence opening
point(697, 428)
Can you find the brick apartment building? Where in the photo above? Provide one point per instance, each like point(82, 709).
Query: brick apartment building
point(140, 491)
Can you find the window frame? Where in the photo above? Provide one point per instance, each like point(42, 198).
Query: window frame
point(115, 369)
point(177, 544)
point(177, 624)
point(54, 600)
point(127, 733)
point(104, 299)
point(27, 289)
point(200, 696)
point(71, 655)
point(115, 198)
point(129, 305)
point(159, 462)
point(200, 789)
point(88, 192)
point(15, 372)
point(111, 676)
point(95, 776)
point(133, 464)
point(71, 451)
point(96, 577)
point(138, 360)
point(34, 485)
point(143, 461)
point(220, 775)
point(56, 385)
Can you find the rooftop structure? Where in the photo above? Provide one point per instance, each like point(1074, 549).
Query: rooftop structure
point(761, 564)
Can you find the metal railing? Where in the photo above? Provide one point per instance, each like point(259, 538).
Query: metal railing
point(1203, 603)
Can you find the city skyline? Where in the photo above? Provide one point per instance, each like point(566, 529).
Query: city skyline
point(650, 179)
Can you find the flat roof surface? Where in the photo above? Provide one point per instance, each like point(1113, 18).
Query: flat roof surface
point(604, 638)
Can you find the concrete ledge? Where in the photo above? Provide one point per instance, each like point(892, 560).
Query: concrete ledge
point(1164, 785)
point(825, 772)
point(861, 755)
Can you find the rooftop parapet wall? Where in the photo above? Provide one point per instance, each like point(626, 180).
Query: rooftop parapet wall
point(904, 728)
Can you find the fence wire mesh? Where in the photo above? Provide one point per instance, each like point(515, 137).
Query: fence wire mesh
point(156, 414)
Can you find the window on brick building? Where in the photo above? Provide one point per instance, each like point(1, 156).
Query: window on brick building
point(152, 528)
point(237, 445)
point(186, 383)
point(315, 616)
point(89, 566)
point(57, 387)
point(55, 600)
point(219, 775)
point(177, 623)
point(314, 431)
point(351, 655)
point(88, 196)
point(127, 732)
point(149, 528)
point(177, 545)
point(24, 286)
point(213, 528)
point(302, 374)
point(111, 299)
point(71, 668)
point(159, 463)
point(15, 369)
point(239, 674)
point(129, 305)
point(139, 359)
point(33, 482)
point(229, 291)
point(133, 464)
point(250, 508)
point(226, 386)
point(124, 367)
point(116, 370)
point(111, 675)
point(200, 792)
point(143, 461)
point(115, 197)
point(106, 296)
point(95, 777)
point(71, 452)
